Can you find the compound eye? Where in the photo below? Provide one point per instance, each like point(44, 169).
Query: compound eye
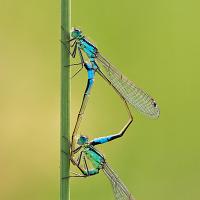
point(77, 30)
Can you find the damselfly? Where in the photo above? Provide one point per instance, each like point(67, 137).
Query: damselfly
point(90, 161)
point(125, 88)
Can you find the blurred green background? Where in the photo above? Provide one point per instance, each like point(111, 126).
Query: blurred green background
point(156, 43)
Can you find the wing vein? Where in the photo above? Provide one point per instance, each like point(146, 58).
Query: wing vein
point(129, 91)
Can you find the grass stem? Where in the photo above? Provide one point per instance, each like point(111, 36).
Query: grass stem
point(65, 104)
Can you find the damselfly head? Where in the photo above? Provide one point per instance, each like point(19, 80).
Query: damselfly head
point(82, 140)
point(76, 33)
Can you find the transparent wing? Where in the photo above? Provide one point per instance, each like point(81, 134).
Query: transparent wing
point(129, 91)
point(119, 189)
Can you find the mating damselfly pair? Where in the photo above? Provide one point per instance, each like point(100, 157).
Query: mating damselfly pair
point(129, 94)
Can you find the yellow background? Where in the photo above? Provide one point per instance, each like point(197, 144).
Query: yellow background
point(155, 43)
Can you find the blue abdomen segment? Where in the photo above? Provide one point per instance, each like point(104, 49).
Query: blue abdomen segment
point(90, 67)
point(105, 139)
point(89, 86)
point(101, 140)
point(90, 74)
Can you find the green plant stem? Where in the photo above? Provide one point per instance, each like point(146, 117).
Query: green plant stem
point(65, 105)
